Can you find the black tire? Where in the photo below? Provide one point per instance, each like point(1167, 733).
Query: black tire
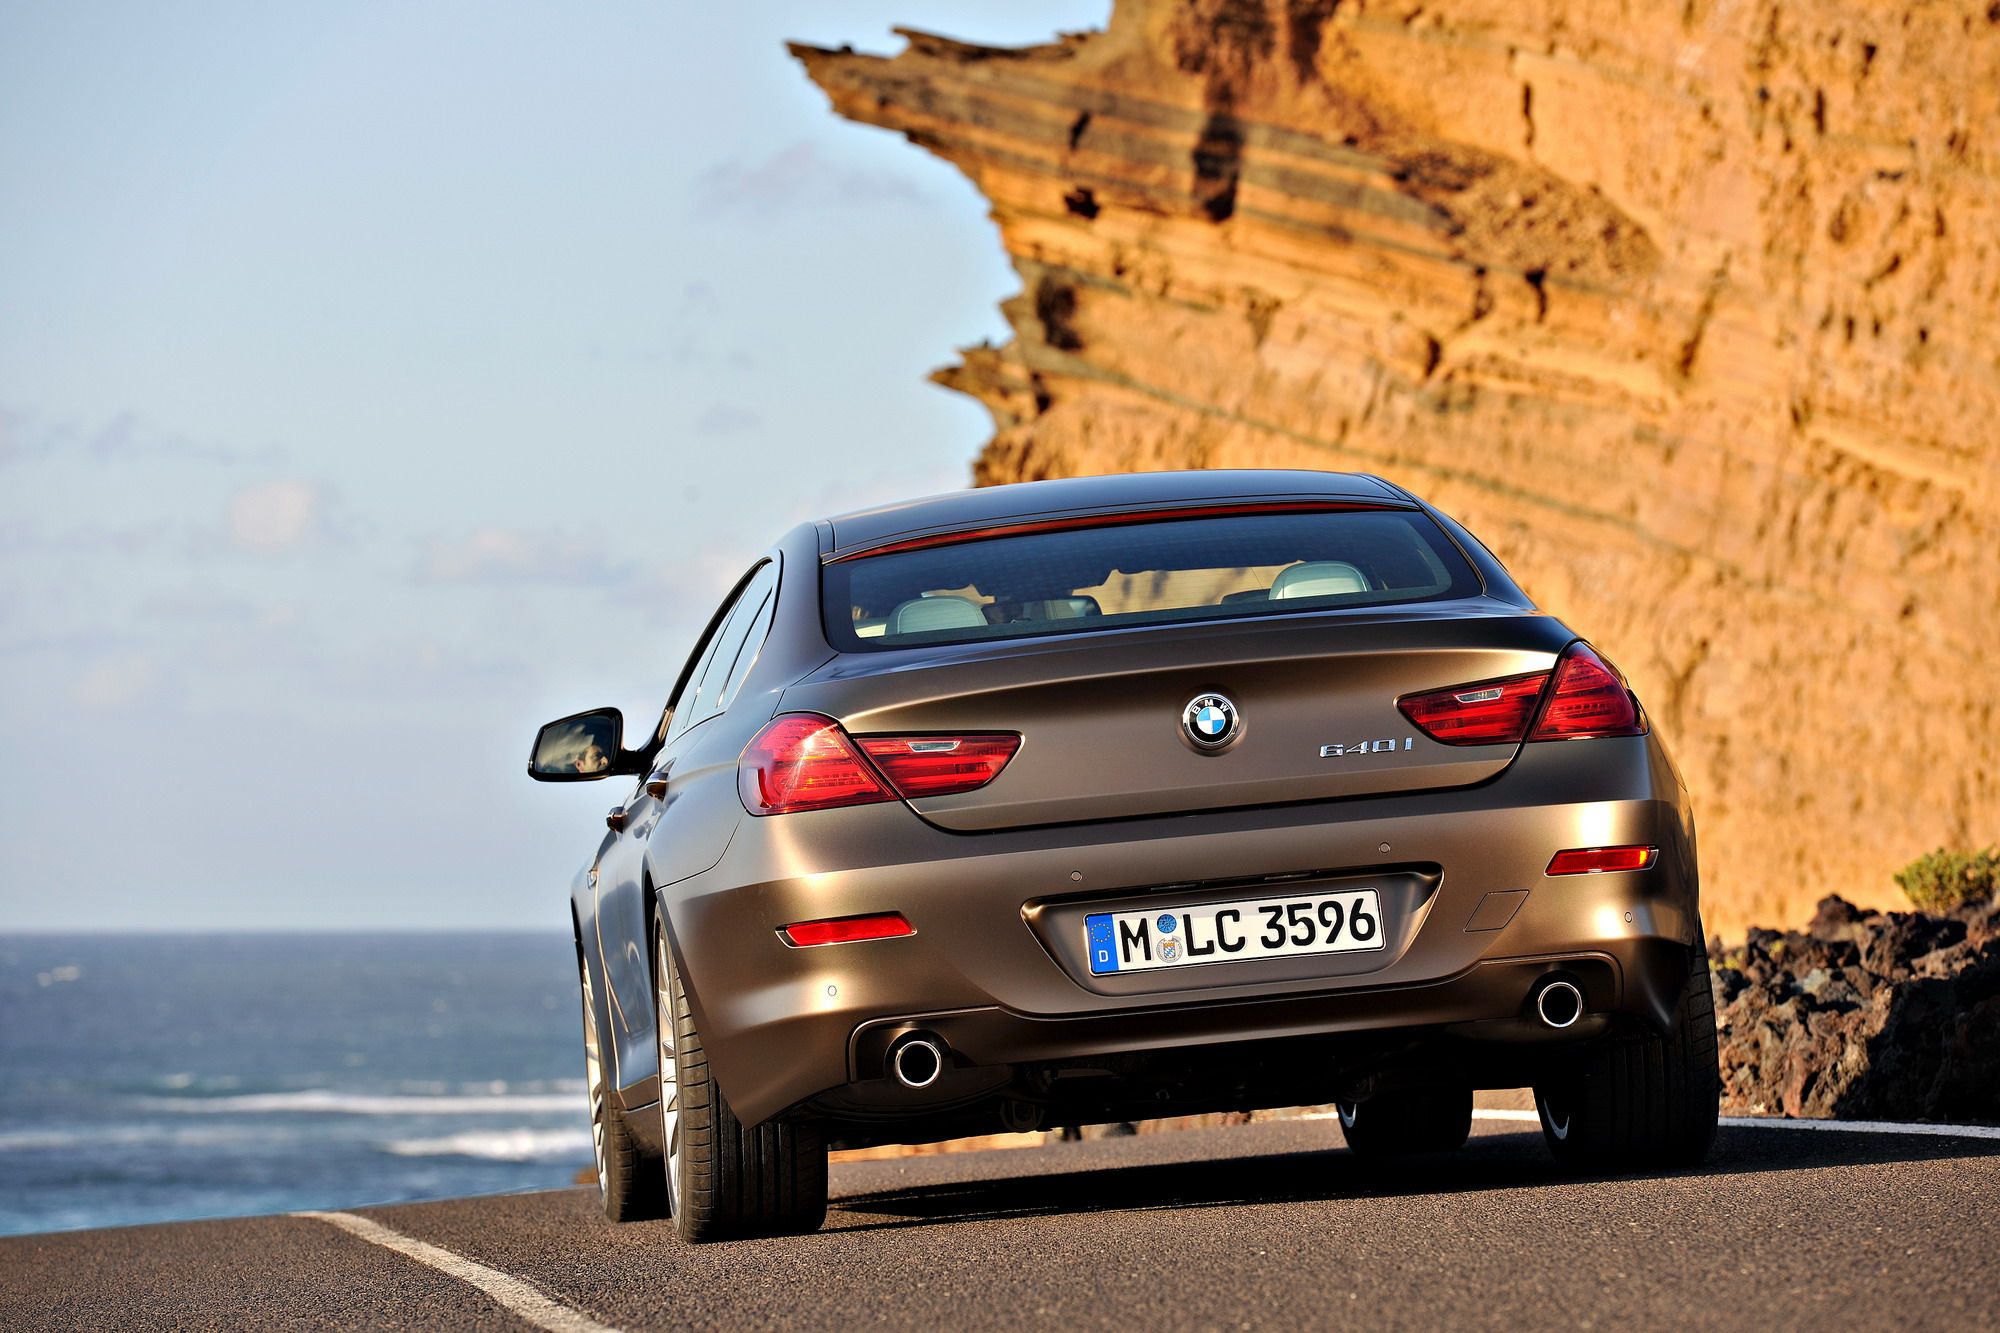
point(1397, 1124)
point(629, 1184)
point(726, 1180)
point(1641, 1102)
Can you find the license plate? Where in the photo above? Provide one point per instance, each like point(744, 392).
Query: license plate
point(1345, 921)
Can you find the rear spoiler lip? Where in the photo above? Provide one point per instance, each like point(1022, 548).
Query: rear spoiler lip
point(1104, 518)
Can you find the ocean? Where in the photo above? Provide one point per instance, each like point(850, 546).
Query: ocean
point(162, 1077)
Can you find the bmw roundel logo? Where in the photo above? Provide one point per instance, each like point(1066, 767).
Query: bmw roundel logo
point(1210, 721)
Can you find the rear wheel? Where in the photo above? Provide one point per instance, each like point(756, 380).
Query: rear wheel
point(725, 1179)
point(628, 1182)
point(1395, 1124)
point(1646, 1101)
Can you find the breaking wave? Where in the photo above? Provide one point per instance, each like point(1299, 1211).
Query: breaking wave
point(100, 1137)
point(500, 1145)
point(321, 1101)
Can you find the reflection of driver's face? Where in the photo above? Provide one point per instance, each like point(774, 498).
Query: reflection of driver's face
point(592, 759)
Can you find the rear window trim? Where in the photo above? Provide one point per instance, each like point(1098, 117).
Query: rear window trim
point(1106, 519)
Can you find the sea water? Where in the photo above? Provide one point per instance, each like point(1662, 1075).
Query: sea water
point(154, 1078)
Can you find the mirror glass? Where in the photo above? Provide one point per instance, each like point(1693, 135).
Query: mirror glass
point(578, 748)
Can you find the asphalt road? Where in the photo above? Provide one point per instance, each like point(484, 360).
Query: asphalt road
point(1266, 1226)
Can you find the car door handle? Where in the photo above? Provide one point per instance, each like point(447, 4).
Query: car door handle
point(616, 819)
point(656, 785)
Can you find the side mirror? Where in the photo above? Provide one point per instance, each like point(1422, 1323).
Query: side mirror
point(580, 748)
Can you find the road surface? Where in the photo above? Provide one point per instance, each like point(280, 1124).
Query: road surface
point(1267, 1226)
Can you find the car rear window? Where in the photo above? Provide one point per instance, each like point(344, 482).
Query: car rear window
point(1158, 572)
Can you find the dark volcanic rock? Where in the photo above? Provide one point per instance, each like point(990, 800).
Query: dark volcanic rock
point(1864, 1015)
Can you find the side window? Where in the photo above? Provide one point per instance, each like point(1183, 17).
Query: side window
point(684, 707)
point(698, 700)
point(753, 642)
point(736, 645)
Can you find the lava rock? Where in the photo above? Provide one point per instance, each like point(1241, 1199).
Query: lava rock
point(1864, 1015)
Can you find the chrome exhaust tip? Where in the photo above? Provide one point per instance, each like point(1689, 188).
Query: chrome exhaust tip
point(1559, 1003)
point(916, 1062)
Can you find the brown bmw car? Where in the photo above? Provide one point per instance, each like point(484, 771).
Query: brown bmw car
point(1119, 797)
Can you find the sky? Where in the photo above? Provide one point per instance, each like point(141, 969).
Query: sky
point(378, 381)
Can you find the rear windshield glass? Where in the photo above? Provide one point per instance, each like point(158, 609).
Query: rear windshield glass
point(1163, 572)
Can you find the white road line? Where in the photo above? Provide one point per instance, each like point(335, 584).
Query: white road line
point(1779, 1122)
point(1861, 1126)
point(512, 1292)
point(1768, 1122)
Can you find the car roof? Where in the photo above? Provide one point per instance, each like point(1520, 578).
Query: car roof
point(1025, 501)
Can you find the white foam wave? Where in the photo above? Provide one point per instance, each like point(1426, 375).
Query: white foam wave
point(321, 1101)
point(487, 1088)
point(132, 1136)
point(499, 1145)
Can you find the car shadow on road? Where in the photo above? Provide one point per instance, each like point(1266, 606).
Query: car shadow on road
point(1487, 1162)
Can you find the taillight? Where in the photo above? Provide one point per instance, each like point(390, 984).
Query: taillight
point(1587, 699)
point(1595, 860)
point(940, 765)
point(847, 930)
point(803, 761)
point(1494, 712)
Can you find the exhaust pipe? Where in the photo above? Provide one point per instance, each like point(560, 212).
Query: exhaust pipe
point(1559, 1003)
point(916, 1062)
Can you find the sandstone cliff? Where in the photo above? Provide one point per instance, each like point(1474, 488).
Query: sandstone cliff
point(1691, 309)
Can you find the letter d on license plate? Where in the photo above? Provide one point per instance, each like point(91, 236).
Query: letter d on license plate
point(1342, 921)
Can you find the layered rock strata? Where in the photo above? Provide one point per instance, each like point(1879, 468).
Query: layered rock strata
point(1691, 309)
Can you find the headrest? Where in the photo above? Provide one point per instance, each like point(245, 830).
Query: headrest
point(923, 614)
point(1318, 578)
point(1061, 608)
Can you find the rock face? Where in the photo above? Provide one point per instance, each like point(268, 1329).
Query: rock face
point(1690, 309)
point(1890, 1016)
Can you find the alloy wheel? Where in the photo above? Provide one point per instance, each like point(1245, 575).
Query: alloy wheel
point(670, 1081)
point(593, 1075)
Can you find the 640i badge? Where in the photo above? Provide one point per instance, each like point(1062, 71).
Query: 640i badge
point(1386, 745)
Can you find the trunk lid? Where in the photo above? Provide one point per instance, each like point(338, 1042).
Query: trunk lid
point(1100, 714)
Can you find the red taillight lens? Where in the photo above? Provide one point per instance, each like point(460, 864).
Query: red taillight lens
point(1589, 699)
point(847, 930)
point(803, 761)
point(939, 765)
point(1591, 860)
point(1495, 712)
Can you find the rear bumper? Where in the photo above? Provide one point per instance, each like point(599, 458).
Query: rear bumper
point(784, 1026)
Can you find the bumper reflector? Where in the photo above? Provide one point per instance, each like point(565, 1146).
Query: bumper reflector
point(1592, 860)
point(847, 930)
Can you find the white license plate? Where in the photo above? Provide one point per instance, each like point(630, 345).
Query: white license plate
point(1234, 932)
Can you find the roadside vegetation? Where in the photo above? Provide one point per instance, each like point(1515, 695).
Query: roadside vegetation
point(1944, 879)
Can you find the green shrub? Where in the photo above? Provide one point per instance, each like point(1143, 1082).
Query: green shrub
point(1939, 881)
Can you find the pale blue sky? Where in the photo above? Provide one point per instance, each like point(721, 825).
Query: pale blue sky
point(377, 380)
